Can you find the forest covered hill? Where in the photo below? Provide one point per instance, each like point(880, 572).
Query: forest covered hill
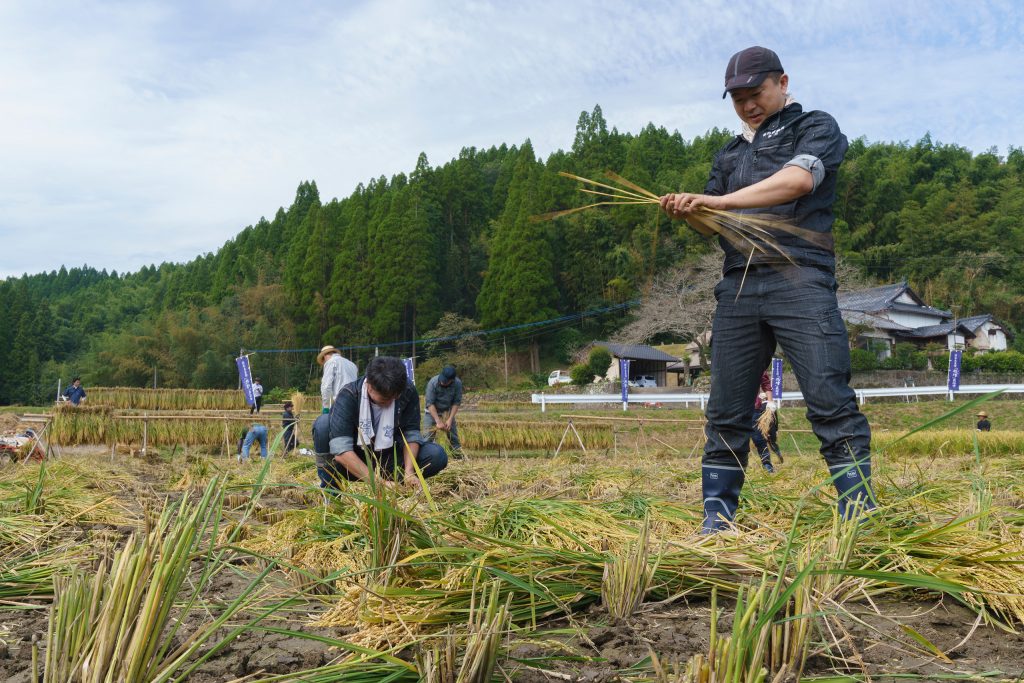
point(383, 264)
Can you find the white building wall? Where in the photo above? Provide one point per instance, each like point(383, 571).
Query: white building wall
point(913, 320)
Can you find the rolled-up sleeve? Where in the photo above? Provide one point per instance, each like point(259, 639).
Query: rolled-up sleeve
point(810, 164)
point(342, 444)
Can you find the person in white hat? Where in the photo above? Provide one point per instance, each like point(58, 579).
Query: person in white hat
point(338, 371)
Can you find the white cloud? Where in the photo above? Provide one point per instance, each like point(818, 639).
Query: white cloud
point(139, 132)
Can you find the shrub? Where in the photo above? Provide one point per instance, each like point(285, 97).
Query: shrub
point(581, 374)
point(862, 360)
point(279, 394)
point(599, 361)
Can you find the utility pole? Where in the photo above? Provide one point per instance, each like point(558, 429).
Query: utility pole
point(154, 377)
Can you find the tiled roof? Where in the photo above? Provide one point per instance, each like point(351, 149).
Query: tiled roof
point(878, 299)
point(636, 352)
point(974, 322)
point(941, 330)
point(871, 300)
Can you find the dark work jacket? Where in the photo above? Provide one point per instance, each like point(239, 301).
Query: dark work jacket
point(781, 137)
point(344, 419)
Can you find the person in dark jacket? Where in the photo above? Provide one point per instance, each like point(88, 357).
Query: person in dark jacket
point(783, 164)
point(288, 422)
point(373, 430)
point(983, 424)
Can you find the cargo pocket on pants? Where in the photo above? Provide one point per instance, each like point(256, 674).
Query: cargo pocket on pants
point(834, 336)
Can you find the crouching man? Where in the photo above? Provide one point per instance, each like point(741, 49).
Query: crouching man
point(375, 423)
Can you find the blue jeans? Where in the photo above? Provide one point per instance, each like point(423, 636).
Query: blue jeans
point(258, 432)
point(796, 307)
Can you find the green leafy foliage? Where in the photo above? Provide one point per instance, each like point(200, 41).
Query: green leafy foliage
point(599, 361)
point(581, 374)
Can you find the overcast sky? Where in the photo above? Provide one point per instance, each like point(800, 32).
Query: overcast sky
point(140, 132)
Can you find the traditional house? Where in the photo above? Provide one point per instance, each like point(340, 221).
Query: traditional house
point(880, 317)
point(645, 361)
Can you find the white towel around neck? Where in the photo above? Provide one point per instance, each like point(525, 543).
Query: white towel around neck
point(386, 426)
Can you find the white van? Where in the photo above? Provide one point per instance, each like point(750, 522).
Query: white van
point(559, 377)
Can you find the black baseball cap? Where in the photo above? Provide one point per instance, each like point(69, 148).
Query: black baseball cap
point(748, 68)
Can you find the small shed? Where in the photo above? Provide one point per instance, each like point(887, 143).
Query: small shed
point(644, 360)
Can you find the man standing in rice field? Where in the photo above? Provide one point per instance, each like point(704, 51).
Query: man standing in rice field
point(338, 371)
point(784, 163)
point(443, 399)
point(257, 393)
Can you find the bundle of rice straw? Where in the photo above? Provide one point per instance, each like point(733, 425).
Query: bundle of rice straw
point(744, 231)
point(297, 398)
point(764, 423)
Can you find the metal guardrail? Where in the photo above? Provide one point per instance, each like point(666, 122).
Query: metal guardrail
point(701, 399)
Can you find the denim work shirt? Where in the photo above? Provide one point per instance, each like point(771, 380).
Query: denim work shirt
point(791, 137)
point(443, 397)
point(344, 419)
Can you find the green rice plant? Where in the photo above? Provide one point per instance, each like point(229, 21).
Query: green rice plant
point(626, 579)
point(489, 620)
point(118, 625)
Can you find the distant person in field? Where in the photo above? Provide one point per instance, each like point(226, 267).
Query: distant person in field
point(373, 429)
point(784, 163)
point(257, 392)
point(983, 424)
point(288, 422)
point(443, 399)
point(74, 393)
point(255, 433)
point(763, 403)
point(338, 371)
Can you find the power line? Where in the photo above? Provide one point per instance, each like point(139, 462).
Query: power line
point(559, 321)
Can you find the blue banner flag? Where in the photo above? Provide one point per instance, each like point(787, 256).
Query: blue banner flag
point(624, 376)
point(776, 378)
point(410, 370)
point(245, 377)
point(953, 378)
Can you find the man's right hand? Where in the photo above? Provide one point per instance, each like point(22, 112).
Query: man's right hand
point(678, 205)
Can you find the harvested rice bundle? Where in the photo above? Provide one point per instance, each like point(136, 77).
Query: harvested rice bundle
point(764, 423)
point(745, 232)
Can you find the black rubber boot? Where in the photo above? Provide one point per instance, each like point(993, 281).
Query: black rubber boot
point(854, 488)
point(766, 460)
point(721, 486)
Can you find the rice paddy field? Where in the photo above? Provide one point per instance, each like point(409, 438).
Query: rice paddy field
point(516, 563)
